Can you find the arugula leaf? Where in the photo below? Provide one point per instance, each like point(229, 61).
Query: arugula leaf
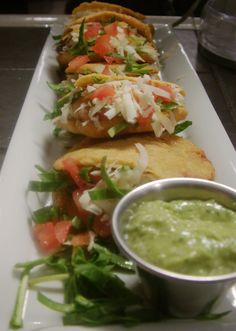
point(139, 69)
point(16, 321)
point(57, 108)
point(62, 88)
point(182, 126)
point(81, 47)
point(106, 257)
point(61, 307)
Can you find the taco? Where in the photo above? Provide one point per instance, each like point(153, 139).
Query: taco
point(88, 182)
point(103, 106)
point(88, 8)
point(79, 66)
point(107, 36)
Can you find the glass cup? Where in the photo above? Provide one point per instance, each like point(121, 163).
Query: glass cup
point(218, 29)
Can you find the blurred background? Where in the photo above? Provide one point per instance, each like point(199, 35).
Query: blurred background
point(150, 7)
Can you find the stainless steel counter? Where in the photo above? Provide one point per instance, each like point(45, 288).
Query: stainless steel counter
point(22, 38)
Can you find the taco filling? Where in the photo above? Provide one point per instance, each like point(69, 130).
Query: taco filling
point(110, 41)
point(115, 105)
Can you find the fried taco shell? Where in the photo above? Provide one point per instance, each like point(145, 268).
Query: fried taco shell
point(88, 8)
point(166, 157)
point(169, 156)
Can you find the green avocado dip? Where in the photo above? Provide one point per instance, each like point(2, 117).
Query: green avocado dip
point(190, 237)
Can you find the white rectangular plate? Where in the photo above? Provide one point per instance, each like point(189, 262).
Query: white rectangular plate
point(32, 143)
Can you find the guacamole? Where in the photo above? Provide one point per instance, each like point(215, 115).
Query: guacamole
point(190, 237)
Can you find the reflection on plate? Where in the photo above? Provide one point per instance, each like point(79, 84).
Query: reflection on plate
point(32, 143)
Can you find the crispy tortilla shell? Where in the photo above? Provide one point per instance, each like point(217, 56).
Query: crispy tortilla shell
point(96, 6)
point(169, 156)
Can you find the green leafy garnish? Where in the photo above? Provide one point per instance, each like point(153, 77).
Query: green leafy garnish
point(62, 88)
point(17, 320)
point(105, 194)
point(81, 47)
point(109, 182)
point(44, 214)
point(207, 314)
point(50, 181)
point(61, 307)
point(98, 80)
point(57, 37)
point(136, 68)
point(182, 126)
point(84, 174)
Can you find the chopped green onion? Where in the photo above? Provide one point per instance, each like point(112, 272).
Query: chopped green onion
point(116, 129)
point(110, 184)
point(84, 173)
point(104, 194)
point(80, 48)
point(182, 126)
point(16, 321)
point(76, 222)
point(60, 307)
point(44, 214)
point(51, 180)
point(39, 186)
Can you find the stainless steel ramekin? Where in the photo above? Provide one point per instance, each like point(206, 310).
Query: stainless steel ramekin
point(179, 294)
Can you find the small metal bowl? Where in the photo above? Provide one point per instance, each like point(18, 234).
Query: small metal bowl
point(178, 294)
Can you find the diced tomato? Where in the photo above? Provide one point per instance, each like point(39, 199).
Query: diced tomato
point(71, 168)
point(106, 70)
point(111, 29)
point(81, 239)
point(77, 62)
point(62, 230)
point(82, 213)
point(111, 59)
point(92, 30)
point(143, 121)
point(101, 227)
point(46, 237)
point(102, 46)
point(103, 91)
